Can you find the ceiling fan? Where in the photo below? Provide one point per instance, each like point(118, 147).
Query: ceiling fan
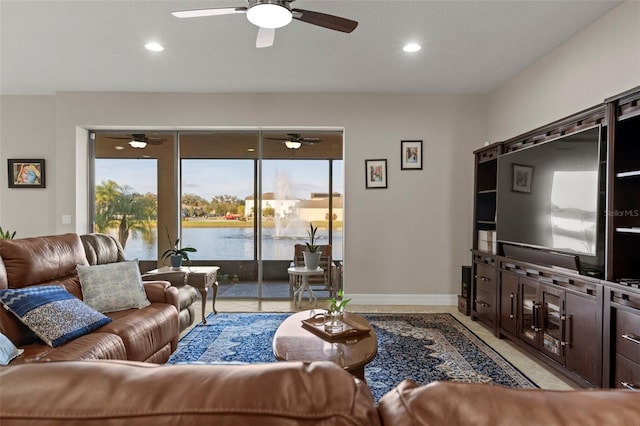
point(139, 140)
point(268, 15)
point(295, 141)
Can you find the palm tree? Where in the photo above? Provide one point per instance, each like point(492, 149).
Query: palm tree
point(107, 195)
point(117, 206)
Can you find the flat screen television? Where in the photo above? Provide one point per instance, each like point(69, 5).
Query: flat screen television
point(550, 197)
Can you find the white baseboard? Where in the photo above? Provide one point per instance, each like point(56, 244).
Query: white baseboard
point(404, 299)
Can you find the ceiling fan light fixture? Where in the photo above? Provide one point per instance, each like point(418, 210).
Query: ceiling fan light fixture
point(154, 47)
point(412, 47)
point(269, 15)
point(293, 144)
point(137, 144)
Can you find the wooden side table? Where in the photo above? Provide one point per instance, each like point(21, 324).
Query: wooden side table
point(201, 278)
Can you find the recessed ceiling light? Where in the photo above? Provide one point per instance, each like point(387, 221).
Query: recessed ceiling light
point(250, 149)
point(119, 147)
point(154, 47)
point(412, 47)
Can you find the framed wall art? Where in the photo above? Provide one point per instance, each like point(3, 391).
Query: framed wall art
point(376, 173)
point(411, 155)
point(26, 173)
point(522, 178)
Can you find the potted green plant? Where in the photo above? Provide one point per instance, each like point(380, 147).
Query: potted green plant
point(177, 254)
point(312, 253)
point(333, 320)
point(6, 235)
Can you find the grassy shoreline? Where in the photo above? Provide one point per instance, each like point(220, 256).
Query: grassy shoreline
point(222, 223)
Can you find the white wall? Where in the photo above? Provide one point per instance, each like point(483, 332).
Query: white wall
point(601, 61)
point(408, 240)
point(28, 130)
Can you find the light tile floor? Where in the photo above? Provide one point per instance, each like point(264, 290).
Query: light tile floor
point(543, 376)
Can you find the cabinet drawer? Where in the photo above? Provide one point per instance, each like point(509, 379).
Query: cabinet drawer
point(628, 335)
point(627, 373)
point(484, 304)
point(484, 278)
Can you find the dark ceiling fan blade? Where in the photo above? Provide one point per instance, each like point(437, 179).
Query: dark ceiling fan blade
point(265, 37)
point(325, 20)
point(139, 137)
point(197, 13)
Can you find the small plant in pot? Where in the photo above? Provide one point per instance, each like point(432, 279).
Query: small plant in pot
point(177, 254)
point(312, 253)
point(335, 311)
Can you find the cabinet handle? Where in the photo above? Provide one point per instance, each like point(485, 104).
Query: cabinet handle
point(566, 327)
point(534, 326)
point(511, 315)
point(630, 386)
point(631, 338)
point(481, 303)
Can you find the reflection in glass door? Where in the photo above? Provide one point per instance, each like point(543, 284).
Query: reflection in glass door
point(529, 326)
point(552, 308)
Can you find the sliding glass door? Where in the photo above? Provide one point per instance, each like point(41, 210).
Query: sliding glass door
point(242, 199)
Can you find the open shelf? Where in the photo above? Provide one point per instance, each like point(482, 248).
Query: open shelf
point(624, 211)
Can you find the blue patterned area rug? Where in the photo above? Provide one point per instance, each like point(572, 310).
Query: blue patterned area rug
point(421, 347)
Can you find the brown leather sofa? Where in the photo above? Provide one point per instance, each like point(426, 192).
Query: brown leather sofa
point(147, 334)
point(102, 248)
point(282, 394)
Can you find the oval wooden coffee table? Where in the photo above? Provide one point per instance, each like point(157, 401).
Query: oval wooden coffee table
point(293, 342)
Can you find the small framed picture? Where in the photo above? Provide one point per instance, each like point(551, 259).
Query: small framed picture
point(376, 173)
point(522, 178)
point(411, 155)
point(26, 173)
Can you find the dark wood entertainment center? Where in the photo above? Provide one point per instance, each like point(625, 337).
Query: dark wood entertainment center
point(587, 327)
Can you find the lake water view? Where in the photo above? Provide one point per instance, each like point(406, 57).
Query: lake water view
point(231, 244)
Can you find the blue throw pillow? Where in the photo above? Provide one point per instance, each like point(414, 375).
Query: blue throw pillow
point(8, 350)
point(52, 313)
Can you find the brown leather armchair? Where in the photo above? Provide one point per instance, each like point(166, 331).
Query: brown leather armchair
point(103, 248)
point(187, 294)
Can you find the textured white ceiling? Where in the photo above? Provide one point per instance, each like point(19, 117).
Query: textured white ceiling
point(95, 45)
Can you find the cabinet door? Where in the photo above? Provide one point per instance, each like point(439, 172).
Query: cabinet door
point(509, 301)
point(583, 340)
point(551, 315)
point(528, 324)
